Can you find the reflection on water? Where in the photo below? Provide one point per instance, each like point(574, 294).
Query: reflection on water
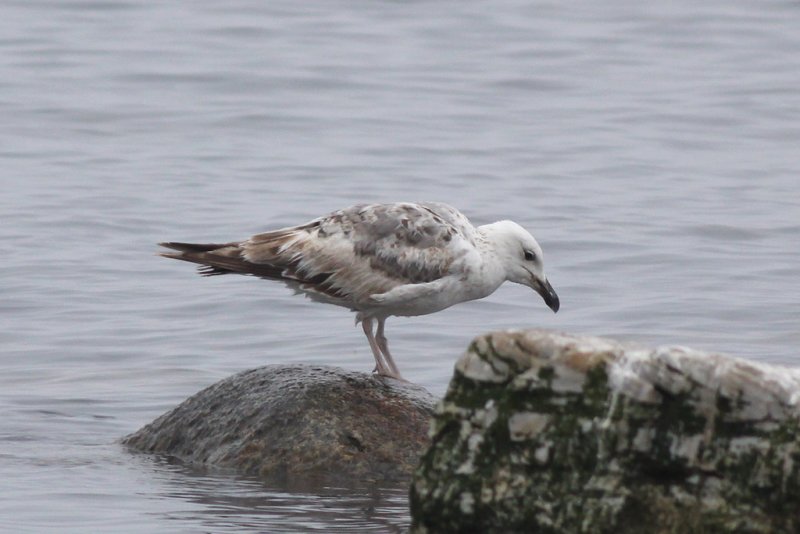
point(227, 503)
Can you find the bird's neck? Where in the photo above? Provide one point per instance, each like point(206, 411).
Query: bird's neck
point(491, 240)
point(490, 247)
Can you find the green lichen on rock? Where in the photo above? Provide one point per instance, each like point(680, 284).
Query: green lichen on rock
point(545, 432)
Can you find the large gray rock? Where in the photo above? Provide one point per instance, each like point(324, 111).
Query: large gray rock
point(551, 433)
point(298, 423)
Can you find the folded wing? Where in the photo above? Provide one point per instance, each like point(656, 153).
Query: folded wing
point(345, 257)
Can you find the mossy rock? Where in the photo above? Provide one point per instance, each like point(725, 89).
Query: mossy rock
point(552, 433)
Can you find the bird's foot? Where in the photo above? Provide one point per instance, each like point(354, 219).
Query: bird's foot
point(389, 374)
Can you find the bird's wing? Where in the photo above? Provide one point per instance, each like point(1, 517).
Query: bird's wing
point(366, 249)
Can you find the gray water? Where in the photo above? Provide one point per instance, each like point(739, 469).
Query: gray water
point(654, 150)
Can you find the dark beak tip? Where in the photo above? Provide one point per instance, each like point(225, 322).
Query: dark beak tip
point(548, 294)
point(553, 303)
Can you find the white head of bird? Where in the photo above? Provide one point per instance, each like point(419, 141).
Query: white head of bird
point(522, 258)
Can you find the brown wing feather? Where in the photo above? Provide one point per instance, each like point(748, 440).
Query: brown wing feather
point(408, 242)
point(272, 262)
point(364, 250)
point(216, 259)
point(349, 255)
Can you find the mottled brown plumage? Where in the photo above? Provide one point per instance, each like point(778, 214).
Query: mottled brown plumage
point(381, 260)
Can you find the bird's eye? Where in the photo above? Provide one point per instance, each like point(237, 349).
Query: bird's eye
point(529, 256)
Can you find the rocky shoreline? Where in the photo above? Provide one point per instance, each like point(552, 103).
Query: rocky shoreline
point(539, 432)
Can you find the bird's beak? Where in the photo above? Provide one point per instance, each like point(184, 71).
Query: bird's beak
point(547, 292)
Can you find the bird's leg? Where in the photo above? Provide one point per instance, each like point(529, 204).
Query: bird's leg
point(383, 344)
point(380, 366)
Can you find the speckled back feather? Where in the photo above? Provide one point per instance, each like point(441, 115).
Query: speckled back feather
point(346, 256)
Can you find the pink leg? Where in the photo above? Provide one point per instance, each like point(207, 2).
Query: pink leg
point(380, 365)
point(383, 345)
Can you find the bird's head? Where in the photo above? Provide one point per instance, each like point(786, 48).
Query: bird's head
point(522, 259)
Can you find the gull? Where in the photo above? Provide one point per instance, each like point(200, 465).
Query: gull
point(382, 260)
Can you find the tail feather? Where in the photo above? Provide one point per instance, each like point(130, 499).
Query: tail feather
point(196, 247)
point(216, 259)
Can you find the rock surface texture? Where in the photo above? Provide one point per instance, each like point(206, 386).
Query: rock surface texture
point(298, 423)
point(551, 433)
